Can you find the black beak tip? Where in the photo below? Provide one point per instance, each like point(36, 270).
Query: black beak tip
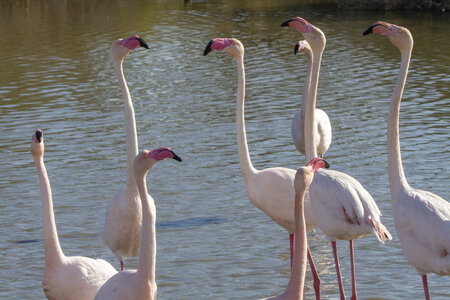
point(207, 48)
point(327, 165)
point(286, 23)
point(39, 135)
point(368, 31)
point(176, 157)
point(143, 43)
point(297, 46)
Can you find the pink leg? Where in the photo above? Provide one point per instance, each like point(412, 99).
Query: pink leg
point(425, 287)
point(121, 265)
point(338, 271)
point(315, 275)
point(354, 295)
point(291, 246)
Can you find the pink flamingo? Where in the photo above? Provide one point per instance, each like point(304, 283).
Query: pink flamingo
point(342, 208)
point(140, 283)
point(422, 219)
point(322, 121)
point(123, 217)
point(303, 178)
point(272, 189)
point(68, 278)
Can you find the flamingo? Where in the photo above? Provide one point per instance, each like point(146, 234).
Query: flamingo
point(303, 178)
point(322, 121)
point(422, 219)
point(140, 283)
point(123, 216)
point(271, 190)
point(342, 207)
point(65, 278)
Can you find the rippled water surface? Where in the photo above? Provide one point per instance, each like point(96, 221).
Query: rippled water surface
point(56, 74)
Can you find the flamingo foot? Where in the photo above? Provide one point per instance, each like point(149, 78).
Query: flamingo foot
point(425, 287)
point(121, 265)
point(315, 275)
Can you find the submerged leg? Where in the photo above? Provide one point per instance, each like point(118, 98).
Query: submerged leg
point(291, 246)
point(354, 295)
point(121, 265)
point(315, 275)
point(425, 287)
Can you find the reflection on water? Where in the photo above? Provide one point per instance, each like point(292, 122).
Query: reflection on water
point(57, 75)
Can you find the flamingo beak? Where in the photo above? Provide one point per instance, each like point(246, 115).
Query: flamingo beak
point(143, 43)
point(286, 23)
point(39, 135)
point(208, 48)
point(176, 157)
point(370, 29)
point(297, 46)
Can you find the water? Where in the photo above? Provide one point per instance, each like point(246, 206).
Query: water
point(212, 242)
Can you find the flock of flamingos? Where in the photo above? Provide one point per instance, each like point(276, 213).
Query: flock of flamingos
point(297, 200)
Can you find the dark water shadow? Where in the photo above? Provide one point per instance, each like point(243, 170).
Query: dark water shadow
point(192, 222)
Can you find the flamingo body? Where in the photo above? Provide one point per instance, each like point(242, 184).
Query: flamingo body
point(422, 222)
point(140, 284)
point(77, 277)
point(343, 209)
point(422, 219)
point(323, 132)
point(322, 123)
point(272, 191)
point(64, 278)
point(123, 216)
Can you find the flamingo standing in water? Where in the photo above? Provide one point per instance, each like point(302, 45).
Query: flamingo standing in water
point(342, 207)
point(322, 121)
point(422, 219)
point(123, 216)
point(272, 189)
point(65, 278)
point(140, 283)
point(303, 178)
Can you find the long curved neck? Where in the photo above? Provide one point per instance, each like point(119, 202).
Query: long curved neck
point(305, 94)
point(53, 251)
point(296, 282)
point(147, 249)
point(397, 177)
point(131, 132)
point(310, 136)
point(244, 155)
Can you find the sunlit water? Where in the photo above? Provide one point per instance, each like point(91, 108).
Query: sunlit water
point(56, 74)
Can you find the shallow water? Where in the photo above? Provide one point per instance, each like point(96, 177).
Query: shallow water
point(212, 242)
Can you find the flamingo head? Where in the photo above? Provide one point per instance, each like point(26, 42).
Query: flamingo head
point(314, 36)
point(232, 46)
point(399, 36)
point(302, 46)
point(316, 164)
point(305, 175)
point(121, 47)
point(37, 143)
point(146, 159)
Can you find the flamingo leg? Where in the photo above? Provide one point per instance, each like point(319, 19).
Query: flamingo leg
point(352, 260)
point(291, 246)
point(425, 287)
point(338, 271)
point(315, 275)
point(121, 265)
